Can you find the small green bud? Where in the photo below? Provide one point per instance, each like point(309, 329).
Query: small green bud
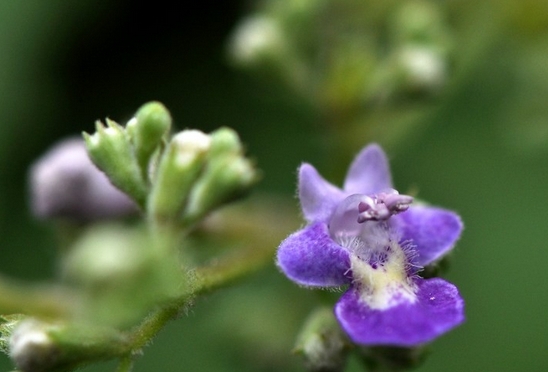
point(180, 166)
point(111, 152)
point(227, 176)
point(225, 141)
point(110, 264)
point(102, 256)
point(423, 69)
point(39, 346)
point(322, 343)
point(31, 348)
point(422, 47)
point(257, 39)
point(146, 131)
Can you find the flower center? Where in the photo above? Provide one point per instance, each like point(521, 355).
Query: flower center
point(380, 272)
point(379, 262)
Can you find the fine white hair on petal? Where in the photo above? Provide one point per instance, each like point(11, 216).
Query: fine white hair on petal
point(380, 265)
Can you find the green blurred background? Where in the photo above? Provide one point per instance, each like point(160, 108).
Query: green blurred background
point(480, 149)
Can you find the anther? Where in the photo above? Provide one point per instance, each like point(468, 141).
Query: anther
point(382, 206)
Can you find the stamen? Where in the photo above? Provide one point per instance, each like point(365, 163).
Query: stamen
point(382, 206)
point(379, 261)
point(396, 202)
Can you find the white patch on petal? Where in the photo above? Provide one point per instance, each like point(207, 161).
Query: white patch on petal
point(379, 267)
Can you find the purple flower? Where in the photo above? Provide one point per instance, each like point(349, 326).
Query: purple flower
point(64, 183)
point(374, 240)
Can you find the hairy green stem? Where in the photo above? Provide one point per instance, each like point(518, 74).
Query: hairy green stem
point(261, 226)
point(125, 365)
point(250, 234)
point(209, 278)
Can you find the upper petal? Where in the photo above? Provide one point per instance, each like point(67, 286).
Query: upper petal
point(369, 173)
point(318, 197)
point(433, 231)
point(310, 257)
point(438, 309)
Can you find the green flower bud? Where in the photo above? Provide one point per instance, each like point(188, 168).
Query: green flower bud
point(271, 43)
point(31, 348)
point(110, 264)
point(257, 39)
point(180, 166)
point(39, 346)
point(227, 176)
point(422, 47)
point(422, 69)
point(322, 343)
point(225, 141)
point(146, 131)
point(111, 152)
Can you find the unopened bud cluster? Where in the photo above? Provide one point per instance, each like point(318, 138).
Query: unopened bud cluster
point(124, 154)
point(113, 275)
point(368, 52)
point(226, 175)
point(198, 173)
point(422, 45)
point(178, 178)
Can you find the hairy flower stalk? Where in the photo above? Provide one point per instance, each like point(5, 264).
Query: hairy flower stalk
point(373, 239)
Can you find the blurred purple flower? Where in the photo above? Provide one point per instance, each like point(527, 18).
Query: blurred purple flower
point(371, 238)
point(64, 183)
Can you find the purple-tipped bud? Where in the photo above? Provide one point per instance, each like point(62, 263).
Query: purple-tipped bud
point(64, 183)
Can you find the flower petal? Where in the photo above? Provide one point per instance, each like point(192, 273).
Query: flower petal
point(433, 231)
point(310, 257)
point(318, 197)
point(66, 184)
point(438, 309)
point(369, 173)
